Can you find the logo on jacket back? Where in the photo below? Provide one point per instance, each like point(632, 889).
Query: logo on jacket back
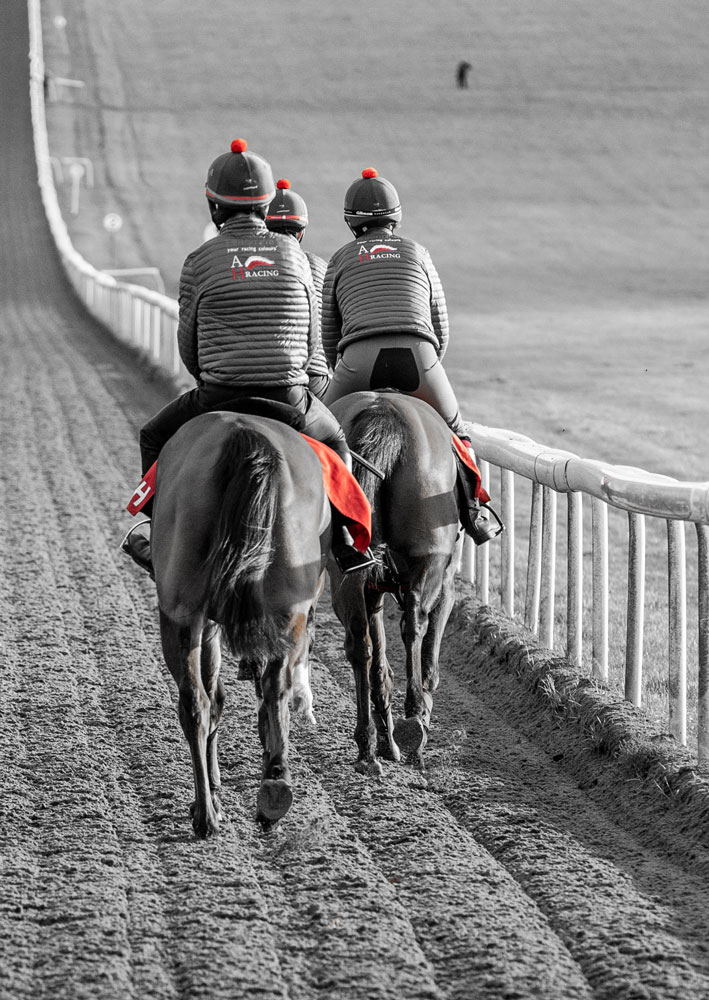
point(255, 266)
point(378, 251)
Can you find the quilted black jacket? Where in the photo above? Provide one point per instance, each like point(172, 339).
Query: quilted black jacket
point(249, 311)
point(382, 284)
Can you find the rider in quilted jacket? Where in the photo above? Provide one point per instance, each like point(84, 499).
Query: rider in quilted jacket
point(248, 325)
point(288, 213)
point(384, 316)
point(385, 322)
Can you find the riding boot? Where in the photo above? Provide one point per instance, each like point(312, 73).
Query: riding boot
point(348, 558)
point(136, 544)
point(473, 514)
point(476, 522)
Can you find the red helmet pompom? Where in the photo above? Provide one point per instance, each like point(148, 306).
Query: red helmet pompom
point(239, 146)
point(370, 172)
point(283, 184)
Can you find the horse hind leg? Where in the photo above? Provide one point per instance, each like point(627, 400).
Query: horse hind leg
point(301, 692)
point(349, 604)
point(381, 679)
point(182, 646)
point(423, 624)
point(358, 648)
point(410, 732)
point(431, 648)
point(210, 665)
point(275, 795)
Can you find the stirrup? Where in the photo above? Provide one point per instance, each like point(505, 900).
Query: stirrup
point(349, 559)
point(136, 544)
point(479, 526)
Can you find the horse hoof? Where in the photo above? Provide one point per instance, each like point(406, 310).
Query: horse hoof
point(370, 768)
point(386, 744)
point(216, 803)
point(410, 735)
point(275, 797)
point(205, 826)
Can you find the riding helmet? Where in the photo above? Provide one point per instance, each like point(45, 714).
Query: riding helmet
point(370, 200)
point(240, 178)
point(287, 213)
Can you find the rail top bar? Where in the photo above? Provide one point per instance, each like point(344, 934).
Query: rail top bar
point(621, 486)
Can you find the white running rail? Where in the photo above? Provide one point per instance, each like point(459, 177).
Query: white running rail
point(148, 321)
point(641, 495)
point(144, 318)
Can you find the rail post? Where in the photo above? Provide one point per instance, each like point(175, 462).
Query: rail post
point(677, 624)
point(599, 530)
point(574, 580)
point(703, 643)
point(636, 608)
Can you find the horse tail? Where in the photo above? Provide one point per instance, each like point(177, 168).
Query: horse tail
point(247, 477)
point(380, 434)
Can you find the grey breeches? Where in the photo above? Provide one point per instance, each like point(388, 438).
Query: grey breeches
point(396, 361)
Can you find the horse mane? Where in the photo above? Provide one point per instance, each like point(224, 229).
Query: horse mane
point(247, 477)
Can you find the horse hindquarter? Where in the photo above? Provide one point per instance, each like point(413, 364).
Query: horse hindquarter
point(228, 485)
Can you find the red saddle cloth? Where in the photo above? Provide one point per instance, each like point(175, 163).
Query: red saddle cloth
point(467, 459)
point(345, 493)
point(341, 487)
point(143, 493)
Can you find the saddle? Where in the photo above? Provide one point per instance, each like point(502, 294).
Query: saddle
point(342, 489)
point(256, 406)
point(259, 406)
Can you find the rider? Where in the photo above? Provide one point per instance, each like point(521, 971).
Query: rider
point(384, 316)
point(248, 326)
point(288, 213)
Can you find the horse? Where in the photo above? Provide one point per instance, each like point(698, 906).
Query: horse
point(415, 527)
point(240, 537)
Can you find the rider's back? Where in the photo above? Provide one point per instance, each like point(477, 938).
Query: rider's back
point(248, 310)
point(382, 283)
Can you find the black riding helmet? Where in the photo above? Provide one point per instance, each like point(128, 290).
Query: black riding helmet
point(371, 201)
point(287, 213)
point(239, 180)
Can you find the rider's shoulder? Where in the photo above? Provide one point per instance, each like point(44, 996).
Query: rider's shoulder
point(379, 241)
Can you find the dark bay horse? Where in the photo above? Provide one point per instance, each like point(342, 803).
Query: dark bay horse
point(414, 530)
point(240, 537)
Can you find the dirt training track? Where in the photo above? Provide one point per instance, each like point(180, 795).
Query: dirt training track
point(492, 875)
